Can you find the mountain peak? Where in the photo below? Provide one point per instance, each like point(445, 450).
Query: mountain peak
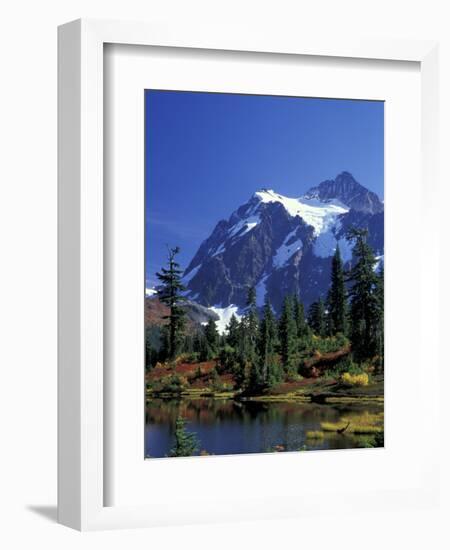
point(266, 195)
point(316, 213)
point(346, 189)
point(282, 244)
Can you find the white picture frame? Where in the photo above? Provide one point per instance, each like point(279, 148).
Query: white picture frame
point(81, 480)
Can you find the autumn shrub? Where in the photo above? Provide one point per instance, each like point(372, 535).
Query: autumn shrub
point(343, 365)
point(296, 377)
point(170, 384)
point(361, 379)
point(217, 384)
point(367, 429)
point(223, 387)
point(365, 423)
point(330, 344)
point(314, 434)
point(189, 357)
point(214, 379)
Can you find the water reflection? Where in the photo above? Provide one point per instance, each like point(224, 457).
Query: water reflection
point(232, 427)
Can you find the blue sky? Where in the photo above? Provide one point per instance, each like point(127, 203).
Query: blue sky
point(206, 154)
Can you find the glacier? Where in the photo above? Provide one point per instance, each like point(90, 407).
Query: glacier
point(225, 314)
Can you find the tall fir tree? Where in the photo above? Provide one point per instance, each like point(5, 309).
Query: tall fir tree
point(186, 443)
point(240, 370)
point(379, 292)
point(169, 293)
point(212, 338)
point(188, 343)
point(250, 324)
point(317, 318)
point(363, 297)
point(267, 343)
point(337, 297)
point(201, 346)
point(288, 337)
point(232, 334)
point(152, 345)
point(299, 315)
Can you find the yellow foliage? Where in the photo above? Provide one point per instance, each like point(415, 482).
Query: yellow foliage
point(355, 379)
point(314, 434)
point(365, 423)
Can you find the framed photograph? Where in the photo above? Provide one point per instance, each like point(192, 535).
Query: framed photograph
point(236, 286)
point(265, 313)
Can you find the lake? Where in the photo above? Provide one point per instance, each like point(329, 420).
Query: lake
point(235, 427)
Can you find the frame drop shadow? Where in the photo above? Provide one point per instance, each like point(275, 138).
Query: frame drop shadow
point(50, 513)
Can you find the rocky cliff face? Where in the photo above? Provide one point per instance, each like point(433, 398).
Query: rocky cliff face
point(350, 192)
point(283, 245)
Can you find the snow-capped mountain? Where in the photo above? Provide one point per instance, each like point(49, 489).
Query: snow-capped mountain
point(283, 245)
point(351, 193)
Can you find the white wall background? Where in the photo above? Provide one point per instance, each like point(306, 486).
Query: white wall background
point(28, 270)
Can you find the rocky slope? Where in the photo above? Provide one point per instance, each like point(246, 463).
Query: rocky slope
point(283, 245)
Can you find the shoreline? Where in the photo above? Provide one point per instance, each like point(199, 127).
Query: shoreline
point(320, 398)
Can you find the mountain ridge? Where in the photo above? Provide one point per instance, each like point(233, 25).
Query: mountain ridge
point(283, 245)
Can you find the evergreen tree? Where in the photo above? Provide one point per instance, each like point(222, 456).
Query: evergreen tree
point(212, 338)
point(267, 344)
point(299, 315)
point(215, 379)
point(250, 326)
point(379, 293)
point(337, 297)
point(200, 345)
point(363, 297)
point(250, 338)
point(288, 337)
point(169, 293)
point(186, 444)
point(152, 345)
point(240, 369)
point(232, 335)
point(222, 341)
point(317, 318)
point(188, 344)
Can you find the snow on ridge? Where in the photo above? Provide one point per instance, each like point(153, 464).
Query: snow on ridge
point(321, 215)
point(286, 251)
point(346, 249)
point(247, 224)
point(225, 314)
point(192, 273)
point(219, 250)
point(326, 243)
point(150, 292)
point(261, 291)
point(316, 213)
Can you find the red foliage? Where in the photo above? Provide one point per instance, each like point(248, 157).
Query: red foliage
point(155, 311)
point(188, 370)
point(322, 361)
